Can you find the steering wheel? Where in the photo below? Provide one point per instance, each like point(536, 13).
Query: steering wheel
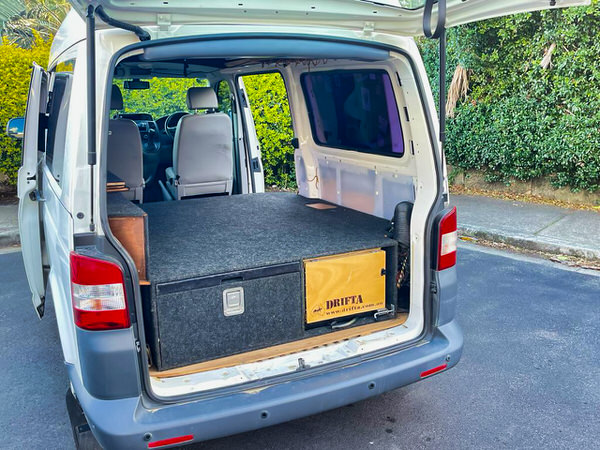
point(172, 121)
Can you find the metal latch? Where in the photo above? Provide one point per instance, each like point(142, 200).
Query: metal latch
point(35, 196)
point(381, 313)
point(233, 301)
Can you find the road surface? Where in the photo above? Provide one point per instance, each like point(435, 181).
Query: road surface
point(529, 376)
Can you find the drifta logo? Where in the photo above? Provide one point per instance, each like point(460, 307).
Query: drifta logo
point(343, 301)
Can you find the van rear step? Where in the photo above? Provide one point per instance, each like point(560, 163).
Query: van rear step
point(283, 349)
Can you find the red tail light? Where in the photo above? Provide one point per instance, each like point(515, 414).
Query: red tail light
point(447, 239)
point(98, 294)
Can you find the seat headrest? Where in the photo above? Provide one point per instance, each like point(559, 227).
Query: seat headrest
point(116, 98)
point(202, 98)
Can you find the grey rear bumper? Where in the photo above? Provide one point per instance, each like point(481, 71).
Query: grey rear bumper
point(123, 423)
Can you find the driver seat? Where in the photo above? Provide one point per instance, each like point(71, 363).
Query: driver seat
point(124, 156)
point(202, 149)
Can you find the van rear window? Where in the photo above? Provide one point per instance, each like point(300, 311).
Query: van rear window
point(354, 110)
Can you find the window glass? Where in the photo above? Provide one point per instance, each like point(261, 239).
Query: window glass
point(354, 110)
point(224, 97)
point(58, 111)
point(165, 96)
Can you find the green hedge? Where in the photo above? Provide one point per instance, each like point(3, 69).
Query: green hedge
point(521, 120)
point(15, 72)
point(271, 113)
point(518, 120)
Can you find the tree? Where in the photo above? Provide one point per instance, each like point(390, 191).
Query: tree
point(39, 16)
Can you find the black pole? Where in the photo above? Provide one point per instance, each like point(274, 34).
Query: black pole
point(443, 86)
point(91, 85)
point(438, 33)
point(91, 103)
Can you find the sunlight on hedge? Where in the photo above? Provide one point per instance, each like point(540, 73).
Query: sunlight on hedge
point(15, 71)
point(522, 118)
point(271, 113)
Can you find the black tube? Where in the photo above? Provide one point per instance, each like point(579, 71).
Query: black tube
point(438, 33)
point(441, 19)
point(139, 31)
point(91, 85)
point(91, 103)
point(443, 85)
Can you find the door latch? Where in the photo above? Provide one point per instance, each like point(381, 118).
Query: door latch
point(36, 196)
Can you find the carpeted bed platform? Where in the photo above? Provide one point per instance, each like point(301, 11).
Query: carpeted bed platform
point(199, 237)
point(200, 249)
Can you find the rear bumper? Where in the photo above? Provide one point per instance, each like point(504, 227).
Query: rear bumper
point(123, 423)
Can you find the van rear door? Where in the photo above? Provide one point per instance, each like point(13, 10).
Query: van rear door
point(402, 17)
point(28, 184)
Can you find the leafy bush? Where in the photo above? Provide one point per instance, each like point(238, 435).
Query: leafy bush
point(15, 72)
point(521, 120)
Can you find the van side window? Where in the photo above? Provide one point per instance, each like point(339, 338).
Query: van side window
point(354, 110)
point(58, 111)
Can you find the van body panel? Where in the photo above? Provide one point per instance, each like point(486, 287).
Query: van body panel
point(446, 297)
point(58, 232)
point(109, 367)
point(390, 16)
point(123, 423)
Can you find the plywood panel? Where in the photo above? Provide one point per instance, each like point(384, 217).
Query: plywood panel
point(131, 233)
point(283, 349)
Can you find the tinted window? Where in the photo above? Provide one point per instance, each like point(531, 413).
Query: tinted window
point(354, 110)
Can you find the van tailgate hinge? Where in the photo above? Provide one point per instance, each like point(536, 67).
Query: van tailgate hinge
point(163, 21)
point(368, 29)
point(433, 287)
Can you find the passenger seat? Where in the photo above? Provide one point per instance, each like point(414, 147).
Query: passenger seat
point(125, 156)
point(202, 149)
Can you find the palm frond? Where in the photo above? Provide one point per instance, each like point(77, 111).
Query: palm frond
point(40, 16)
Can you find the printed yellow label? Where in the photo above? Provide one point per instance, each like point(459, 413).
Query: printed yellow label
point(344, 285)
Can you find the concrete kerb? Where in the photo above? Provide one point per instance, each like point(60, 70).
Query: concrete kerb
point(9, 238)
point(529, 243)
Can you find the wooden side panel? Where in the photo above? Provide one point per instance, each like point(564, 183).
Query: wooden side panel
point(131, 233)
point(344, 285)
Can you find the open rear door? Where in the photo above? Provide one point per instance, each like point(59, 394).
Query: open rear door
point(30, 227)
point(402, 17)
point(255, 166)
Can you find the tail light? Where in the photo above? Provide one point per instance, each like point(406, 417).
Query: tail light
point(98, 294)
point(447, 239)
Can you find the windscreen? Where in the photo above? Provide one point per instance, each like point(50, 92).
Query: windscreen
point(354, 110)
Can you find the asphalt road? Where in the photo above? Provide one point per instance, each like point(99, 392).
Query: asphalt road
point(529, 376)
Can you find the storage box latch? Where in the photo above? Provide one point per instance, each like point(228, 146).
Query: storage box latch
point(233, 301)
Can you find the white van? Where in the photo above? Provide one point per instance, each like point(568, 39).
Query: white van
point(191, 304)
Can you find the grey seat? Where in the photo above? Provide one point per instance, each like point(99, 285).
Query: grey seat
point(202, 149)
point(125, 153)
